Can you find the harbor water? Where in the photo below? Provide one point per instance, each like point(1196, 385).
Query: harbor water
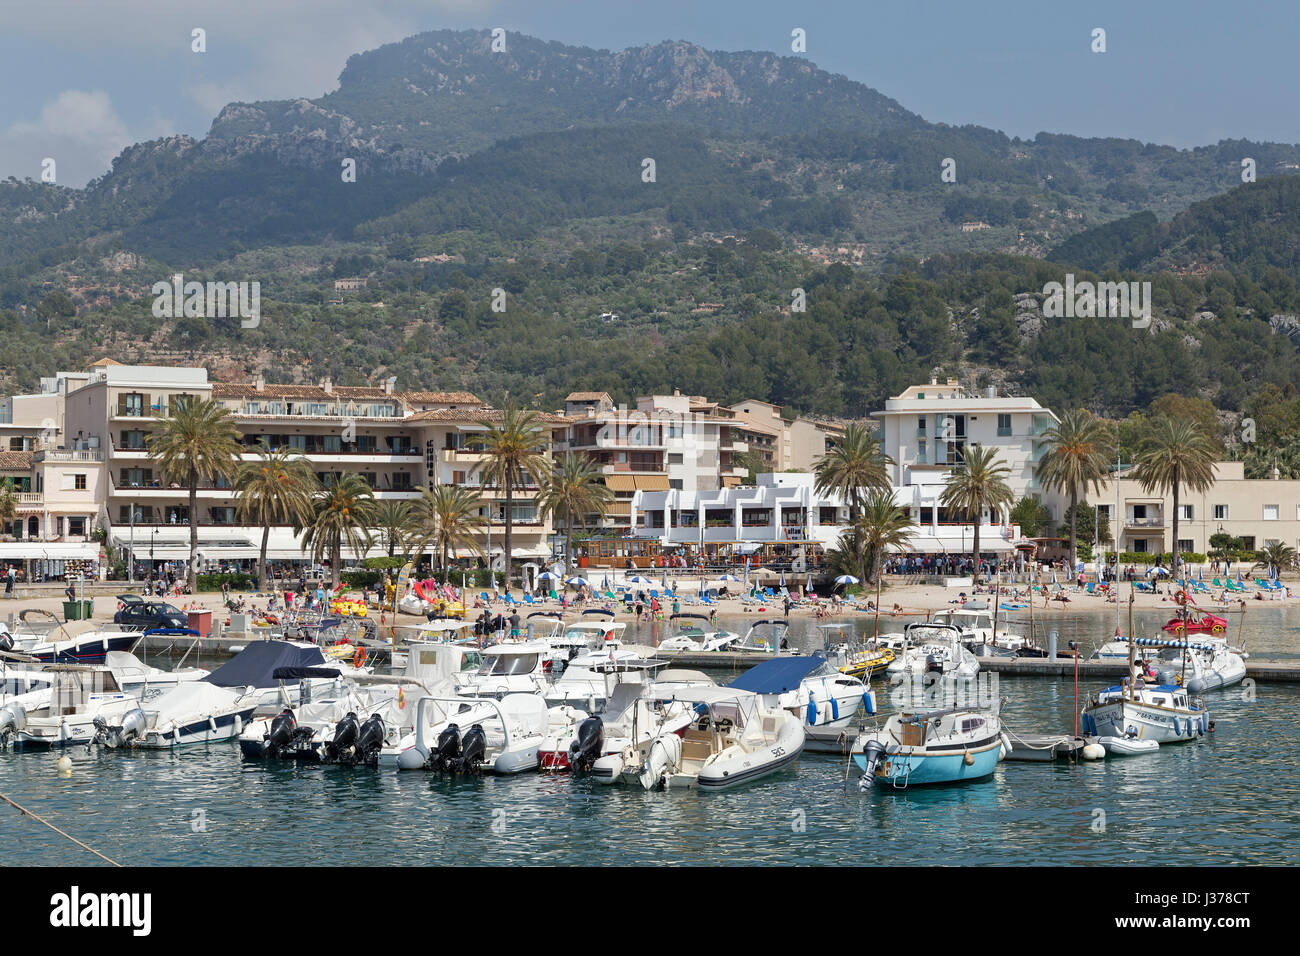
point(1233, 797)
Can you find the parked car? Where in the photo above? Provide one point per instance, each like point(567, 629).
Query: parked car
point(137, 612)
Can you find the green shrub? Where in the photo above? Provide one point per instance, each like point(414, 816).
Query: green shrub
point(238, 581)
point(362, 579)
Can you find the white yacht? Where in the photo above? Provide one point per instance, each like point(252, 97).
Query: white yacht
point(695, 632)
point(933, 649)
point(737, 738)
point(1165, 713)
point(1200, 663)
point(809, 688)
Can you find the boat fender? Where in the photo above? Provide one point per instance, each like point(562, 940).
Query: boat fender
point(967, 759)
point(869, 702)
point(1006, 745)
point(1093, 752)
point(835, 709)
point(1205, 723)
point(812, 712)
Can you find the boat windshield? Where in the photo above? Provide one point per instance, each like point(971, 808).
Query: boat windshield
point(507, 665)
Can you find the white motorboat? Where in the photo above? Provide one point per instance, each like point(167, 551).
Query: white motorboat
point(80, 695)
point(1200, 663)
point(469, 734)
point(933, 649)
point(981, 632)
point(59, 647)
point(767, 636)
point(190, 713)
point(1165, 713)
point(809, 688)
point(694, 632)
point(140, 680)
point(586, 682)
point(737, 738)
point(943, 746)
point(253, 672)
point(634, 711)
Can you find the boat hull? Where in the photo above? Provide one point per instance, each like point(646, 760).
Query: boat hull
point(910, 767)
point(1127, 718)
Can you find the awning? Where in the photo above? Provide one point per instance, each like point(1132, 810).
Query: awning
point(620, 483)
point(51, 550)
point(650, 482)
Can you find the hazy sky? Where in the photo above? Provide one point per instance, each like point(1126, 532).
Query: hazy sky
point(83, 78)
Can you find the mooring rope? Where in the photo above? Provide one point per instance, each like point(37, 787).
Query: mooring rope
point(40, 819)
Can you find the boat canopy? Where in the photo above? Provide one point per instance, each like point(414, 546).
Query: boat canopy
point(1160, 642)
point(256, 664)
point(777, 676)
point(302, 673)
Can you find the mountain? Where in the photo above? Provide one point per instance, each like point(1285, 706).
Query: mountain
point(524, 172)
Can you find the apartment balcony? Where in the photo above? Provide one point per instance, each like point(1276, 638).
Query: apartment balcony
point(88, 455)
point(1145, 523)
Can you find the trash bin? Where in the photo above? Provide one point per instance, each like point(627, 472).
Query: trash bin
point(76, 610)
point(201, 621)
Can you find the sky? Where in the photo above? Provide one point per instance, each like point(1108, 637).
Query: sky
point(81, 79)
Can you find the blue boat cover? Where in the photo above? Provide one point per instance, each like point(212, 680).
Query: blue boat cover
point(255, 665)
point(778, 675)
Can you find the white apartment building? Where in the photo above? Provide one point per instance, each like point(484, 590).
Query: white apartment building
point(97, 475)
point(666, 442)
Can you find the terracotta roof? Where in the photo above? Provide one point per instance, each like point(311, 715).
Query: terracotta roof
point(440, 398)
point(15, 460)
point(249, 390)
point(586, 396)
point(104, 363)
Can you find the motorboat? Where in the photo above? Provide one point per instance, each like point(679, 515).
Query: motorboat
point(140, 680)
point(1165, 713)
point(469, 734)
point(192, 712)
point(86, 647)
point(810, 688)
point(934, 649)
point(981, 633)
point(942, 746)
point(586, 682)
point(767, 636)
point(694, 632)
point(252, 671)
point(1199, 664)
point(79, 696)
point(23, 690)
point(737, 738)
point(634, 711)
point(860, 659)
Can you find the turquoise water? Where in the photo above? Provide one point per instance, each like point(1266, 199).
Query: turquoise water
point(1231, 798)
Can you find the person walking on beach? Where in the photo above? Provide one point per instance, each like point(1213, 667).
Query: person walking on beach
point(9, 581)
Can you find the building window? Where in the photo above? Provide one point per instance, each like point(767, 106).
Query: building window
point(1185, 513)
point(1004, 425)
point(76, 526)
point(401, 481)
point(920, 427)
point(1185, 545)
point(1271, 512)
point(79, 483)
point(1221, 512)
point(16, 444)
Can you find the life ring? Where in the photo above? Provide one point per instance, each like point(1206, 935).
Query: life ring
point(1216, 629)
point(1180, 598)
point(1180, 628)
point(359, 657)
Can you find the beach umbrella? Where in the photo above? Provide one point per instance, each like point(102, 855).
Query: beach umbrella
point(728, 577)
point(548, 576)
point(782, 579)
point(576, 582)
point(1238, 572)
point(639, 579)
point(847, 579)
point(605, 583)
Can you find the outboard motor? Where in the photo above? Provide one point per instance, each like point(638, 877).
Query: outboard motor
point(933, 664)
point(281, 734)
point(473, 748)
point(370, 739)
point(13, 718)
point(6, 642)
point(1166, 676)
point(873, 754)
point(346, 732)
point(448, 749)
point(133, 725)
point(587, 747)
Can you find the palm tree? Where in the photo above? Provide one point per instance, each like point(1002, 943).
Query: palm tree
point(571, 491)
point(1177, 453)
point(397, 522)
point(275, 489)
point(852, 467)
point(343, 511)
point(1079, 452)
point(8, 503)
point(882, 526)
point(976, 484)
point(446, 516)
point(514, 450)
point(198, 441)
point(1277, 555)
